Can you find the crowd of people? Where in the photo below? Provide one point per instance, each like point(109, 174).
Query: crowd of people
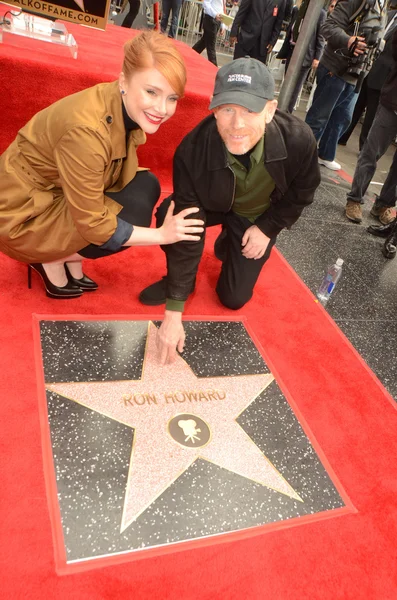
point(76, 191)
point(338, 55)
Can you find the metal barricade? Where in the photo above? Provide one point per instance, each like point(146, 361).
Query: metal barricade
point(190, 22)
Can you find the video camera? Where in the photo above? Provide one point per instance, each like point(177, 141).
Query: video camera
point(359, 66)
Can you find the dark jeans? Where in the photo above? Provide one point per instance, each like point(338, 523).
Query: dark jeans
point(381, 135)
point(208, 39)
point(331, 112)
point(238, 275)
point(304, 72)
point(368, 100)
point(134, 10)
point(168, 6)
point(138, 199)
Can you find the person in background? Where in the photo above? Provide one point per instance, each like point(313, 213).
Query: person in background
point(256, 28)
point(212, 19)
point(169, 6)
point(331, 6)
point(70, 185)
point(133, 12)
point(289, 7)
point(381, 135)
point(314, 50)
point(247, 167)
point(334, 98)
point(368, 99)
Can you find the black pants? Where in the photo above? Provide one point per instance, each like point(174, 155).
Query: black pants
point(134, 10)
point(208, 40)
point(138, 199)
point(381, 135)
point(241, 52)
point(367, 100)
point(238, 275)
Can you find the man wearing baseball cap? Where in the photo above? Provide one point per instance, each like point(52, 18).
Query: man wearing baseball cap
point(251, 169)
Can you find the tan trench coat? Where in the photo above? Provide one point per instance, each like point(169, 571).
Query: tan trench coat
point(54, 175)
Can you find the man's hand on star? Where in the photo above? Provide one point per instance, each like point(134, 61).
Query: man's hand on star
point(254, 243)
point(170, 337)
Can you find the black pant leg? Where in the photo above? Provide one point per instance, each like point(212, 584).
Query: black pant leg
point(381, 135)
point(134, 10)
point(388, 194)
point(199, 46)
point(358, 111)
point(211, 27)
point(211, 218)
point(138, 199)
point(239, 274)
point(373, 97)
point(239, 51)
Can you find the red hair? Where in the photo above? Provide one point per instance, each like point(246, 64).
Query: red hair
point(152, 49)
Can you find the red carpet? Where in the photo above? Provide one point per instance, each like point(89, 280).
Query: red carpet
point(348, 411)
point(35, 75)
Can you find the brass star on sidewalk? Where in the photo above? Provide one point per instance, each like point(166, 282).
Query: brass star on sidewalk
point(177, 418)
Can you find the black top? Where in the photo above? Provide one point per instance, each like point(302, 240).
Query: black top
point(129, 124)
point(388, 95)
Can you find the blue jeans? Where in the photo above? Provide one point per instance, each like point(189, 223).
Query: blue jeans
point(331, 112)
point(167, 7)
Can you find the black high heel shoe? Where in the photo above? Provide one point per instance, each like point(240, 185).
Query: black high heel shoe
point(85, 283)
point(53, 291)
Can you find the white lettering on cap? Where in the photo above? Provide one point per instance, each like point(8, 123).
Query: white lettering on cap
point(240, 77)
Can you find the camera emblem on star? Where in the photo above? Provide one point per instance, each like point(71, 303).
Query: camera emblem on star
point(189, 431)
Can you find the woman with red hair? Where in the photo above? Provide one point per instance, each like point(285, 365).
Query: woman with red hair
point(70, 185)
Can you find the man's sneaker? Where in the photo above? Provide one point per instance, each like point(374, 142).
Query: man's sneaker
point(385, 214)
point(154, 294)
point(353, 211)
point(330, 164)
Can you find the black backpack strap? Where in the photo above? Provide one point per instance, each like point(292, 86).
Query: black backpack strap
point(365, 6)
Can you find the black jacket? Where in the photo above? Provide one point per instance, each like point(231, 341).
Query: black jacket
point(316, 44)
point(388, 95)
point(256, 23)
point(203, 178)
point(338, 28)
point(384, 63)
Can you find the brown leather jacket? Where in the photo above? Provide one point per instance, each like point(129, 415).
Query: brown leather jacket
point(203, 178)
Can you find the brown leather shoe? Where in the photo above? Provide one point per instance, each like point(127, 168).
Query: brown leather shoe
point(385, 214)
point(353, 211)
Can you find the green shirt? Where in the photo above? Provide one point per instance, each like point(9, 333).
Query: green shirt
point(252, 194)
point(253, 187)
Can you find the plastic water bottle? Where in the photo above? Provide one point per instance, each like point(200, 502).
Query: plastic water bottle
point(330, 280)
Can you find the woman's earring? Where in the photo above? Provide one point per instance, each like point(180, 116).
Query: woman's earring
point(122, 92)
